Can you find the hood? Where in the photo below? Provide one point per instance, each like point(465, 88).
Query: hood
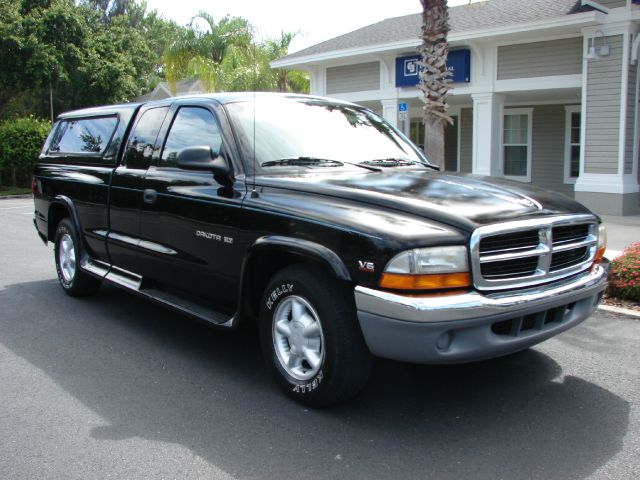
point(460, 200)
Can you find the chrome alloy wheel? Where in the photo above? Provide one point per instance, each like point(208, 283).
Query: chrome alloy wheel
point(67, 258)
point(297, 338)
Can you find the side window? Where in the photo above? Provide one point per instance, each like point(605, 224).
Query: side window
point(50, 138)
point(192, 127)
point(84, 135)
point(142, 141)
point(516, 143)
point(572, 143)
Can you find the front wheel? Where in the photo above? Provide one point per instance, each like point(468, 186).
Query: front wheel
point(310, 337)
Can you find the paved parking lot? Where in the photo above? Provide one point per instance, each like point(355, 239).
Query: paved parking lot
point(113, 387)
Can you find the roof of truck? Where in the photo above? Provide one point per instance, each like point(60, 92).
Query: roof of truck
point(222, 98)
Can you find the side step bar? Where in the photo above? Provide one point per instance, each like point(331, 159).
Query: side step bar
point(134, 283)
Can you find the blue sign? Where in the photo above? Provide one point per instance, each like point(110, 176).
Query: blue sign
point(402, 107)
point(458, 63)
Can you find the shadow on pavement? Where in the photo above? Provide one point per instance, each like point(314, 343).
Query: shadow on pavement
point(153, 374)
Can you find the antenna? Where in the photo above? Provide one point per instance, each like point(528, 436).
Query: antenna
point(254, 192)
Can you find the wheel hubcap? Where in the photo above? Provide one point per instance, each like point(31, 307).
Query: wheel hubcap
point(67, 258)
point(297, 338)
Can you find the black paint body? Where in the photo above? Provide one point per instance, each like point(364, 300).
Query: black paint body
point(199, 232)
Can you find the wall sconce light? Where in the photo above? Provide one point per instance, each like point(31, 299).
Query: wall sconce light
point(598, 52)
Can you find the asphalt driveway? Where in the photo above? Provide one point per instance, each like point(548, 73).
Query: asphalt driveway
point(113, 387)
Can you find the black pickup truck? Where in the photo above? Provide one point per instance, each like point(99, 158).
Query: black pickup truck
point(321, 223)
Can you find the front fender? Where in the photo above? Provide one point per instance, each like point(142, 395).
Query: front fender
point(304, 247)
point(258, 266)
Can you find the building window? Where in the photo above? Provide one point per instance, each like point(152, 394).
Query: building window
point(416, 132)
point(572, 144)
point(516, 144)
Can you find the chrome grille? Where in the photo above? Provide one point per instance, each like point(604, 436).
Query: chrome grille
point(529, 252)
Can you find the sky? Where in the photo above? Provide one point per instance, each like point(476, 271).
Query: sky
point(316, 21)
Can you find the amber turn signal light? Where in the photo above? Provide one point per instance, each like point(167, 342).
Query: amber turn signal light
point(397, 281)
point(599, 255)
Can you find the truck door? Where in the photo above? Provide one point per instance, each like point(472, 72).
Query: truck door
point(189, 221)
point(127, 183)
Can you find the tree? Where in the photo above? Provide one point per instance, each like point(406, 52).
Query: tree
point(287, 80)
point(434, 81)
point(197, 53)
point(93, 52)
point(225, 56)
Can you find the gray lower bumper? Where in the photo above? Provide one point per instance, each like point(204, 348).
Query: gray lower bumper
point(472, 326)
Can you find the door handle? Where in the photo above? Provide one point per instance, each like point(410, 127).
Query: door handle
point(150, 196)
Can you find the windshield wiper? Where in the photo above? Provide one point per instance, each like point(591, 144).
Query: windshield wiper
point(307, 161)
point(399, 162)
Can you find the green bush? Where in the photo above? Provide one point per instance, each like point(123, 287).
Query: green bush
point(20, 142)
point(624, 277)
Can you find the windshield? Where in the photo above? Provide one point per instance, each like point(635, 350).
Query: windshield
point(301, 134)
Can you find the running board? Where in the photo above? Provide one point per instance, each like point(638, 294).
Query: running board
point(134, 283)
point(188, 307)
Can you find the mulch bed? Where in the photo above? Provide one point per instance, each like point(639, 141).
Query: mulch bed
point(615, 302)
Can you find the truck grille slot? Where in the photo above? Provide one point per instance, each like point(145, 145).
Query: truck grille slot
point(515, 241)
point(530, 252)
point(568, 258)
point(569, 233)
point(539, 321)
point(519, 267)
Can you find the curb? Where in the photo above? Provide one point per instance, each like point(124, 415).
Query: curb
point(620, 310)
point(14, 197)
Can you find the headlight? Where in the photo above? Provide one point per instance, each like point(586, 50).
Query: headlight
point(602, 243)
point(428, 268)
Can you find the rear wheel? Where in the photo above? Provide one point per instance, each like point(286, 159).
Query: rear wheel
point(310, 337)
point(73, 280)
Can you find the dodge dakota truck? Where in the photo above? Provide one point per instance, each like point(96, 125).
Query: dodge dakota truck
point(318, 222)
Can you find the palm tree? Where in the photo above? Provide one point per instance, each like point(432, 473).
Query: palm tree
point(434, 81)
point(199, 53)
point(286, 80)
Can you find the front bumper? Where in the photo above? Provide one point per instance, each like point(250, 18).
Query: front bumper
point(474, 326)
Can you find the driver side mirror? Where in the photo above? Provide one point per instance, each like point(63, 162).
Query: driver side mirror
point(203, 158)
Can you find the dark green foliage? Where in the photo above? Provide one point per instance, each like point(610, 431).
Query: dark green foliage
point(95, 52)
point(20, 142)
point(91, 53)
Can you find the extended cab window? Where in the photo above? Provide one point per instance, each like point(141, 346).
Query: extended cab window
point(143, 139)
point(192, 127)
point(84, 135)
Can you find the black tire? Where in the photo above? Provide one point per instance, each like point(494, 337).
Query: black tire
point(73, 280)
point(344, 360)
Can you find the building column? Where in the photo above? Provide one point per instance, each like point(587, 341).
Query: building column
point(488, 109)
point(316, 81)
point(608, 181)
point(390, 111)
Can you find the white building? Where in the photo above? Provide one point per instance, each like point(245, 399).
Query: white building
point(546, 91)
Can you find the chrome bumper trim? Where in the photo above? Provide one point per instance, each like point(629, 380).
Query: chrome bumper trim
point(423, 309)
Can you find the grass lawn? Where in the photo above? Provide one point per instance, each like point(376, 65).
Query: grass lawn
point(5, 191)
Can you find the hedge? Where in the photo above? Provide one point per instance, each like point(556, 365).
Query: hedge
point(20, 142)
point(624, 277)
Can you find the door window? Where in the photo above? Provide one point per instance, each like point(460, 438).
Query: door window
point(192, 127)
point(143, 139)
